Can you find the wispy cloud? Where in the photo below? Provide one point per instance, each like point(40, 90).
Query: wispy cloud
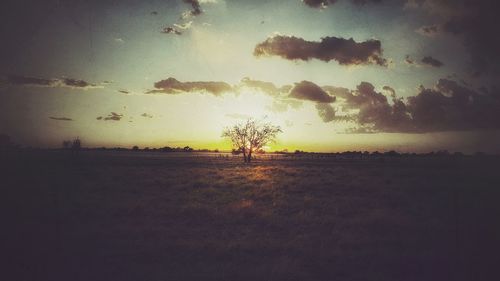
point(18, 80)
point(60, 118)
point(113, 116)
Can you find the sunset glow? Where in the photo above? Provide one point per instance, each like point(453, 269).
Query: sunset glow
point(163, 73)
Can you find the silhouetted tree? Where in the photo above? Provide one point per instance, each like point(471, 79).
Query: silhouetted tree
point(66, 144)
point(135, 148)
point(76, 145)
point(251, 136)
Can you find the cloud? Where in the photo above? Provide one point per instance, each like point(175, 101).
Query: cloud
point(124, 92)
point(176, 28)
point(283, 104)
point(74, 83)
point(425, 61)
point(266, 87)
point(307, 90)
point(195, 11)
point(27, 81)
point(374, 113)
point(448, 106)
point(324, 3)
point(451, 106)
point(184, 26)
point(337, 91)
point(344, 51)
point(474, 21)
point(390, 90)
point(430, 61)
point(326, 112)
point(409, 60)
point(318, 3)
point(61, 118)
point(18, 80)
point(171, 30)
point(145, 115)
point(174, 86)
point(429, 30)
point(113, 116)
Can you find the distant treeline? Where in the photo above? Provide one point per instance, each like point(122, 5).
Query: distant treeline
point(392, 153)
point(154, 149)
point(7, 144)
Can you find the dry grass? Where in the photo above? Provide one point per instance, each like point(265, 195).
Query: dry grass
point(146, 216)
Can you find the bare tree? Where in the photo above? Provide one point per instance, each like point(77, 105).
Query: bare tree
point(251, 136)
point(66, 144)
point(76, 145)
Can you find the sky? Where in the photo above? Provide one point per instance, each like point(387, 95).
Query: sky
point(335, 75)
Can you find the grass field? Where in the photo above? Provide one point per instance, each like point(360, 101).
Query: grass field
point(157, 216)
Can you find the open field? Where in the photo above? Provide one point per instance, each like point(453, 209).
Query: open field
point(157, 216)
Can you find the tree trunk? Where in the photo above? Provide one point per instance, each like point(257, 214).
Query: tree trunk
point(249, 157)
point(244, 155)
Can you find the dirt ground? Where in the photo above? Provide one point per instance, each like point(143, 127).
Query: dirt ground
point(158, 216)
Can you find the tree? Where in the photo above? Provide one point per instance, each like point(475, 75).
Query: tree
point(66, 144)
point(76, 145)
point(251, 136)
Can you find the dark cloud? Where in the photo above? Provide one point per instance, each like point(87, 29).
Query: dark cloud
point(344, 51)
point(448, 106)
point(61, 118)
point(429, 30)
point(309, 91)
point(306, 90)
point(173, 86)
point(113, 116)
point(474, 21)
point(76, 83)
point(196, 8)
point(27, 81)
point(451, 106)
point(146, 115)
point(326, 112)
point(363, 2)
point(124, 92)
point(374, 111)
point(430, 61)
point(171, 30)
point(409, 60)
point(18, 80)
point(318, 3)
point(337, 91)
point(325, 3)
point(177, 27)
